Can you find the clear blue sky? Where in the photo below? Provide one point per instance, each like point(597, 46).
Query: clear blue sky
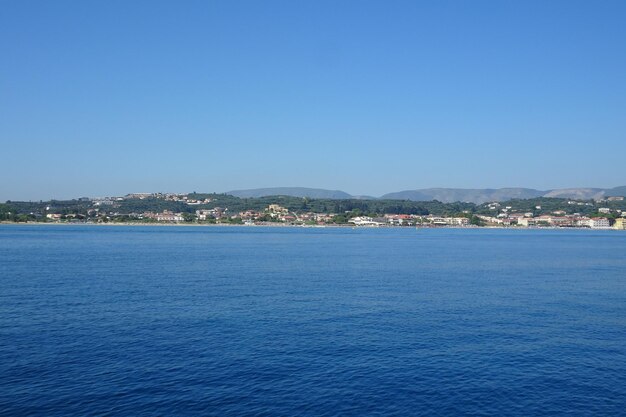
point(110, 97)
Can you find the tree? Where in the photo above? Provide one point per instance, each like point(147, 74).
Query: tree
point(188, 217)
point(476, 221)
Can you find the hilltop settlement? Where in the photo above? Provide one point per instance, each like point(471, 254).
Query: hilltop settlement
point(195, 208)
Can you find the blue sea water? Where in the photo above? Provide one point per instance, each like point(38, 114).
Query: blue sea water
point(177, 321)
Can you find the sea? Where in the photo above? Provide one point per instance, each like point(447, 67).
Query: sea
point(282, 321)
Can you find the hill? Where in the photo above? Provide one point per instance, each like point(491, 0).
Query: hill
point(616, 192)
point(577, 193)
point(292, 192)
point(445, 195)
point(449, 195)
point(482, 195)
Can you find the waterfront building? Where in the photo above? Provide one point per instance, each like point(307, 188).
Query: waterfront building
point(526, 221)
point(599, 223)
point(168, 216)
point(457, 221)
point(363, 221)
point(439, 221)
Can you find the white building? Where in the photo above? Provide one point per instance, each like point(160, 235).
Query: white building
point(440, 221)
point(217, 212)
point(526, 221)
point(168, 216)
point(457, 221)
point(364, 221)
point(599, 223)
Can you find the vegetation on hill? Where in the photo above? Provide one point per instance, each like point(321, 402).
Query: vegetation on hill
point(127, 209)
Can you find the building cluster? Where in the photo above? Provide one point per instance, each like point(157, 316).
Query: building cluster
point(214, 213)
point(104, 210)
point(605, 218)
point(165, 216)
point(554, 220)
point(183, 198)
point(275, 213)
point(409, 220)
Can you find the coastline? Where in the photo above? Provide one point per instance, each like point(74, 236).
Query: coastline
point(171, 224)
point(294, 226)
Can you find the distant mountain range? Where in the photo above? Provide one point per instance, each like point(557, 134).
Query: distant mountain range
point(291, 191)
point(446, 195)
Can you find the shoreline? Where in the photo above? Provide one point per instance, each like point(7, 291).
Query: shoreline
point(295, 226)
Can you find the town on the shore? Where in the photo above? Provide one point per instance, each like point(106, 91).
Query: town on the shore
point(160, 208)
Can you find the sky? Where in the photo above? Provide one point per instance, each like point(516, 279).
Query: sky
point(103, 98)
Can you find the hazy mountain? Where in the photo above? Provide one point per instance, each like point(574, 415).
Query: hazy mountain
point(291, 191)
point(446, 195)
point(578, 193)
point(617, 191)
point(449, 195)
point(482, 195)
